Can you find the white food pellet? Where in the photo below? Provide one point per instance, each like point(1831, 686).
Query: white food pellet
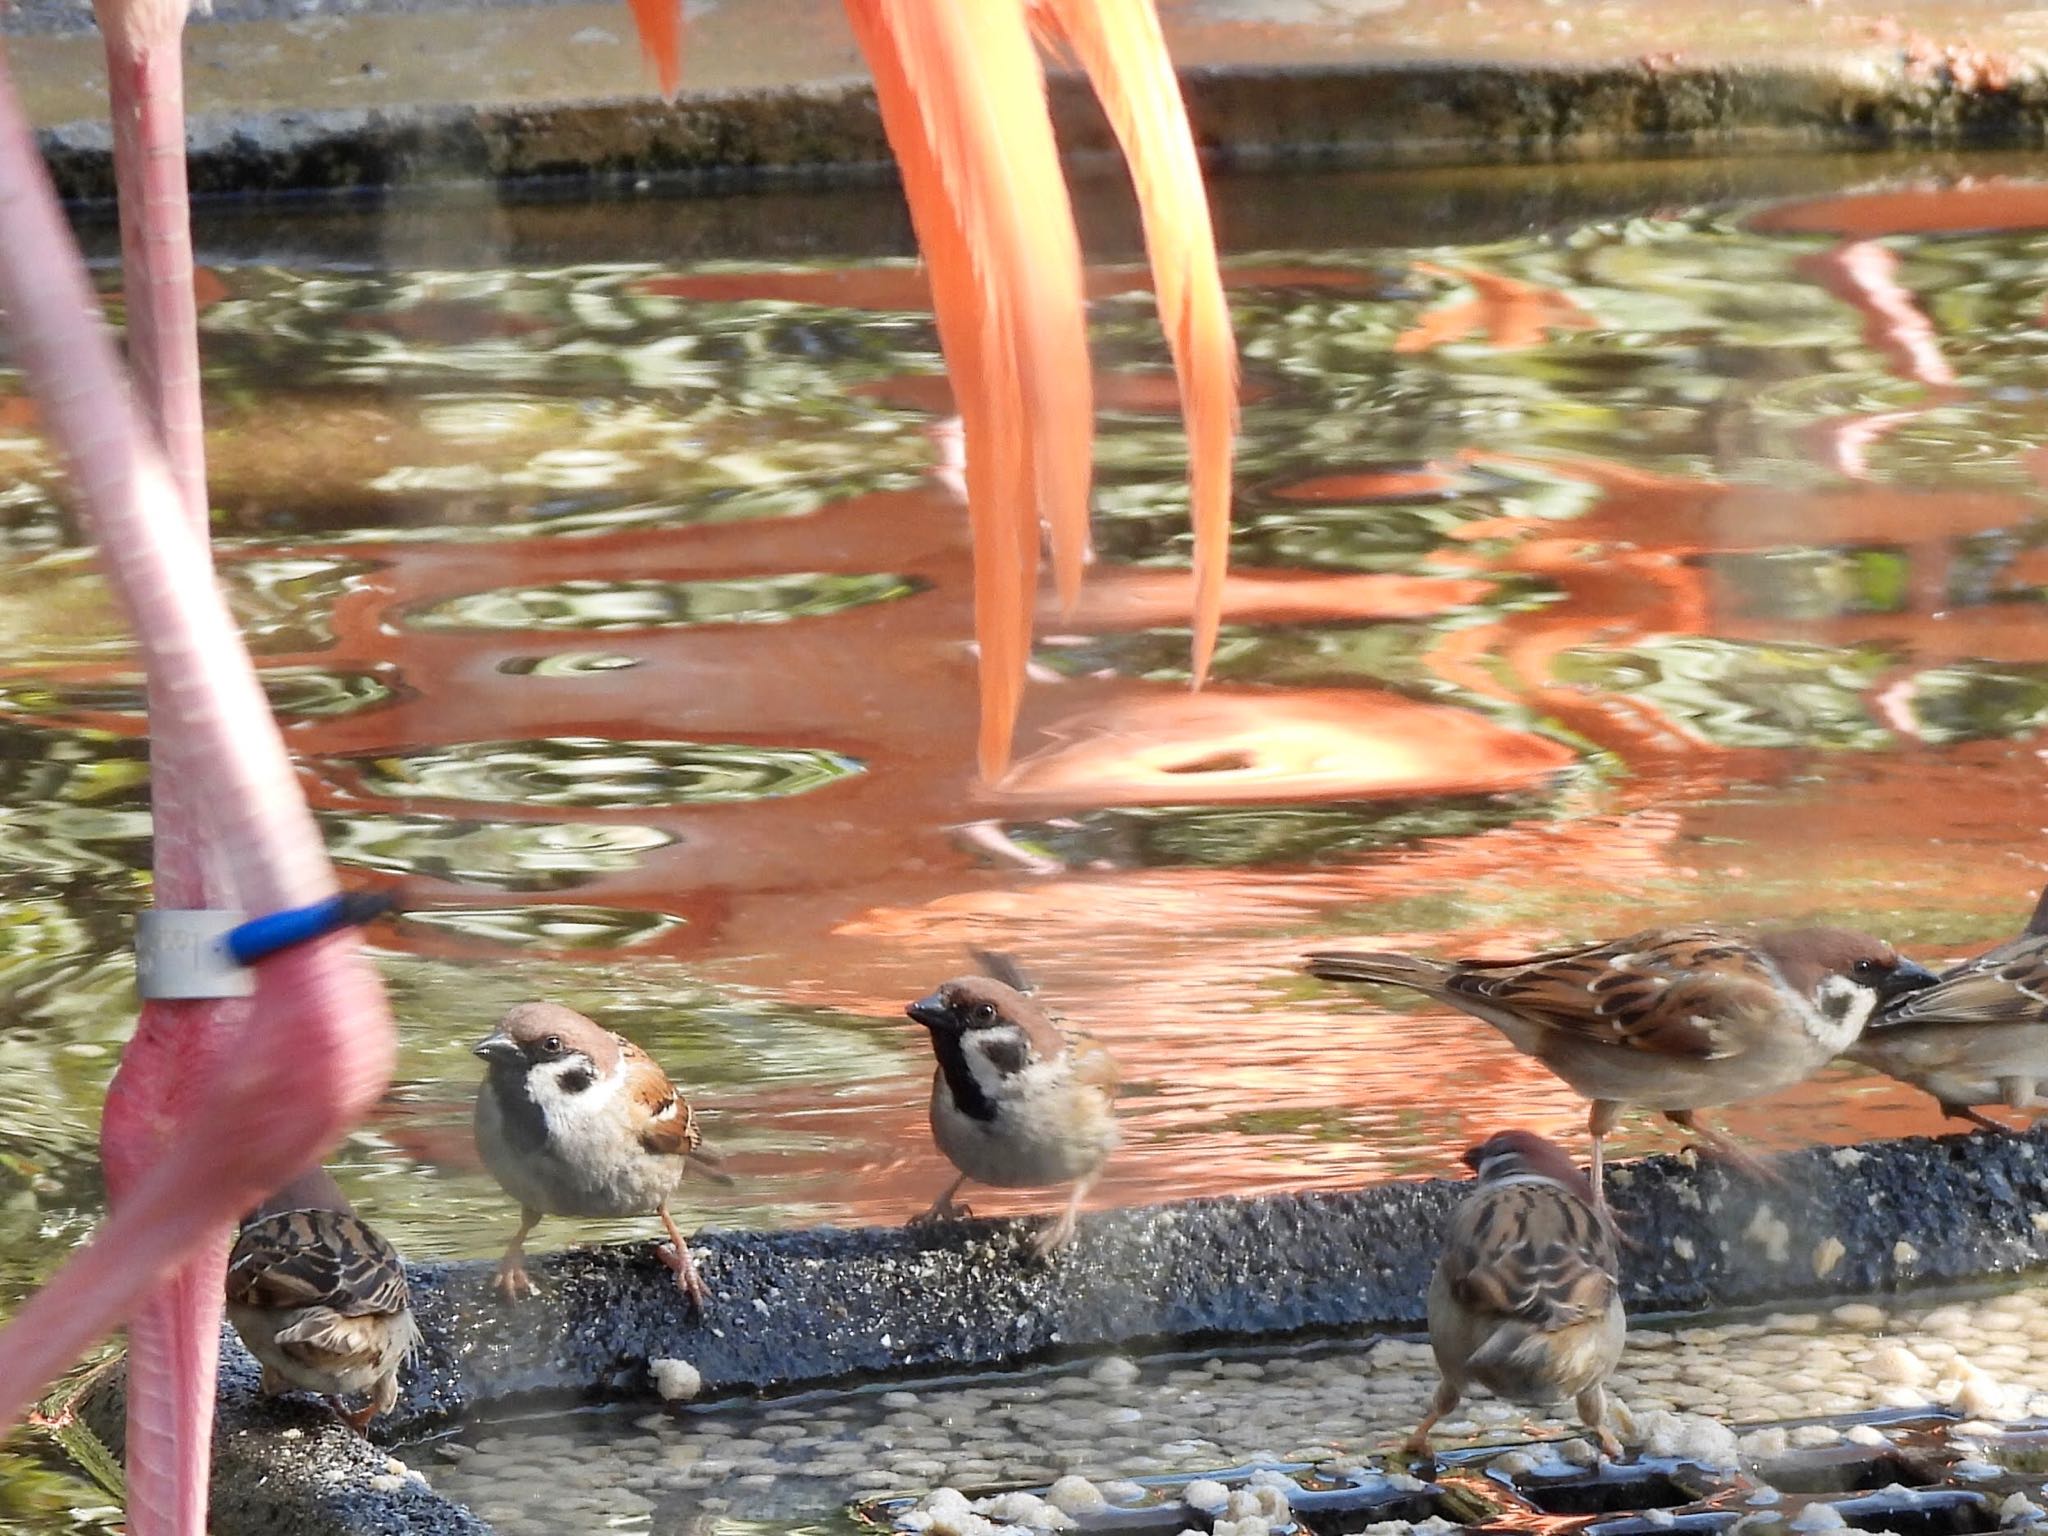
point(676, 1380)
point(1205, 1494)
point(1904, 1253)
point(1819, 1517)
point(2018, 1509)
point(1075, 1495)
point(1769, 1232)
point(1761, 1444)
point(1826, 1255)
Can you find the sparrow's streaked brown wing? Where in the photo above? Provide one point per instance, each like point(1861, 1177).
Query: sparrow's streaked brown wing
point(299, 1259)
point(2009, 985)
point(1532, 1253)
point(667, 1126)
point(1093, 1064)
point(1674, 992)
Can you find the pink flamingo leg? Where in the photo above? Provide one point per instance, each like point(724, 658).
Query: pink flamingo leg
point(316, 1047)
point(174, 1340)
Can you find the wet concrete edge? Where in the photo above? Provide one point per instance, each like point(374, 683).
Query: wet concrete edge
point(1348, 115)
point(823, 1306)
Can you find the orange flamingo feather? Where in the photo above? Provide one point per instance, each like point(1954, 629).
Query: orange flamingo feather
point(1119, 44)
point(962, 99)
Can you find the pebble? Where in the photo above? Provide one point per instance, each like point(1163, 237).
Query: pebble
point(1116, 1371)
point(1080, 1427)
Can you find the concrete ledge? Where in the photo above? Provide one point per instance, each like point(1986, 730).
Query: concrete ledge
point(824, 1307)
point(386, 94)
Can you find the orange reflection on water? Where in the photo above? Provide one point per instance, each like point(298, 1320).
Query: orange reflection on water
point(1595, 807)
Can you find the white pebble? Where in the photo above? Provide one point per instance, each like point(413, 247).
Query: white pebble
point(1763, 1444)
point(1116, 1371)
point(1866, 1434)
point(1859, 1314)
point(1826, 1255)
point(1812, 1436)
point(1904, 1253)
point(676, 1380)
point(1895, 1363)
point(1205, 1494)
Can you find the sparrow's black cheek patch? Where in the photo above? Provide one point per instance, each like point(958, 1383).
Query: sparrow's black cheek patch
point(576, 1080)
point(1006, 1053)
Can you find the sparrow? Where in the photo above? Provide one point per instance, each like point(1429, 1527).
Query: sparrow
point(573, 1120)
point(1670, 1019)
point(1525, 1300)
point(320, 1299)
point(1018, 1100)
point(1979, 1035)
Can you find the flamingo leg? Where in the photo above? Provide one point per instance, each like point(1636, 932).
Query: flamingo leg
point(174, 1340)
point(220, 1130)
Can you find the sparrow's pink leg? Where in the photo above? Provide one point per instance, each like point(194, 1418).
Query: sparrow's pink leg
point(320, 1046)
point(1592, 1406)
point(173, 1342)
point(676, 1255)
point(1417, 1444)
point(513, 1282)
point(1058, 1232)
point(1600, 1122)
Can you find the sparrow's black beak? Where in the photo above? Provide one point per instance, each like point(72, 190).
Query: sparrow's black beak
point(1905, 977)
point(931, 1012)
point(496, 1048)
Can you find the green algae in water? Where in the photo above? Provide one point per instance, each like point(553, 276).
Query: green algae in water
point(594, 606)
point(575, 771)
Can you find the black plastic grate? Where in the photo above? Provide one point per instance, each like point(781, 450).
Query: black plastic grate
point(1923, 1479)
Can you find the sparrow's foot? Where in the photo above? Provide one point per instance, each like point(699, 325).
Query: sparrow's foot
point(1053, 1236)
point(1417, 1444)
point(512, 1281)
point(357, 1419)
point(1976, 1117)
point(1609, 1446)
point(677, 1257)
point(942, 1209)
point(1727, 1149)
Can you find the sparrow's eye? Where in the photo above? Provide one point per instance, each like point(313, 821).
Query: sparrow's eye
point(984, 1013)
point(552, 1045)
point(1868, 970)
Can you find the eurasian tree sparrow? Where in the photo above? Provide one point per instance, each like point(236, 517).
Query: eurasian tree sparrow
point(1018, 1101)
point(1670, 1019)
point(320, 1299)
point(574, 1120)
point(1525, 1301)
point(1979, 1035)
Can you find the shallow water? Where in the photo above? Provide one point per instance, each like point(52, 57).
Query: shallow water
point(791, 1464)
point(1610, 545)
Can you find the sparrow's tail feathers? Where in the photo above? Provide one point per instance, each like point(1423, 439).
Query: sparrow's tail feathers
point(710, 1162)
point(1525, 1363)
point(1385, 969)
